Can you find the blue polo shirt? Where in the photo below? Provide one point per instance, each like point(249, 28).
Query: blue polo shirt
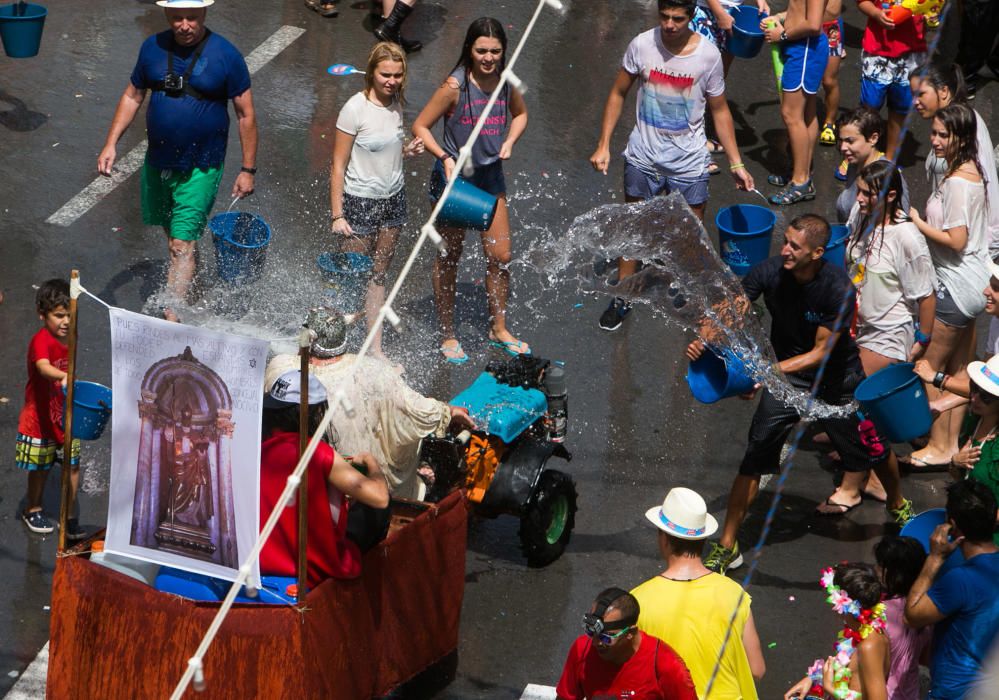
point(969, 596)
point(185, 132)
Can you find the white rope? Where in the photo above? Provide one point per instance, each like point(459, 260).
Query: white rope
point(340, 398)
point(95, 297)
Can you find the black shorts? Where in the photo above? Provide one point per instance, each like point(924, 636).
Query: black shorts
point(773, 421)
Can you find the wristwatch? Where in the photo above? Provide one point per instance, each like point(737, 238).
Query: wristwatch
point(251, 171)
point(783, 35)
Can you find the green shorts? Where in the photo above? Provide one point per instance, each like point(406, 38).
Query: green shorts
point(179, 201)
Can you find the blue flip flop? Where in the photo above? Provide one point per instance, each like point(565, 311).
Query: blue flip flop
point(458, 356)
point(511, 348)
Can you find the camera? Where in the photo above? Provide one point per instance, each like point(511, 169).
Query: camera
point(173, 84)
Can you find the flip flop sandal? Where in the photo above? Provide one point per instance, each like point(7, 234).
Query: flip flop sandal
point(792, 194)
point(831, 504)
point(714, 147)
point(511, 348)
point(713, 168)
point(841, 170)
point(828, 135)
point(455, 355)
point(328, 10)
point(915, 464)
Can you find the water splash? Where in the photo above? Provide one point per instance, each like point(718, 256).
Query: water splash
point(682, 279)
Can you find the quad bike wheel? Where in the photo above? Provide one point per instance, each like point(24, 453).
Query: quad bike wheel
point(548, 519)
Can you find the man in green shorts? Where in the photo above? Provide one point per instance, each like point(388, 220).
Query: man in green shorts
point(192, 73)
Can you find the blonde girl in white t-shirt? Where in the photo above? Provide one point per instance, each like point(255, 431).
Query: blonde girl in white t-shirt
point(367, 193)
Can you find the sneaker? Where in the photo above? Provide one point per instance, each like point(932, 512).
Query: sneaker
point(73, 530)
point(827, 137)
point(613, 317)
point(903, 513)
point(720, 559)
point(37, 522)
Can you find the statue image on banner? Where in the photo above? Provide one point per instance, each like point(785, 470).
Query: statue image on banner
point(183, 490)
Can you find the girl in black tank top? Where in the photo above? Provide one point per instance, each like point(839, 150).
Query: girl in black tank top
point(460, 101)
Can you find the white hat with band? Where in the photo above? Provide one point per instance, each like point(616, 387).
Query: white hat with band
point(184, 4)
point(683, 514)
point(985, 375)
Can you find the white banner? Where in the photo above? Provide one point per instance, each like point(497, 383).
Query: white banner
point(185, 451)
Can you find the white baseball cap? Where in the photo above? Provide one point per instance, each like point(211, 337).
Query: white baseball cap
point(683, 514)
point(184, 4)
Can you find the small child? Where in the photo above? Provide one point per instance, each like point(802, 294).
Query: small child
point(890, 53)
point(39, 428)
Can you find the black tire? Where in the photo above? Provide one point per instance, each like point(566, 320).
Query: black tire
point(548, 519)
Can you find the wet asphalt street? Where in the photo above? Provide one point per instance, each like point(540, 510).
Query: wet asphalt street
point(634, 428)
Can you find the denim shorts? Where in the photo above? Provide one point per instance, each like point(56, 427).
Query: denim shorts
point(639, 184)
point(367, 215)
point(488, 178)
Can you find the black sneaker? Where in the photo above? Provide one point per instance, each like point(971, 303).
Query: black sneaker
point(37, 522)
point(73, 530)
point(613, 317)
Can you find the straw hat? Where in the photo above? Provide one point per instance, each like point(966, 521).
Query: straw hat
point(985, 375)
point(184, 4)
point(683, 514)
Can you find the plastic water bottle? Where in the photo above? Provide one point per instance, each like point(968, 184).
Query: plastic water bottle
point(557, 417)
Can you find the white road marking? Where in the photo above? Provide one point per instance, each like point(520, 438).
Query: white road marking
point(127, 166)
point(31, 684)
point(538, 692)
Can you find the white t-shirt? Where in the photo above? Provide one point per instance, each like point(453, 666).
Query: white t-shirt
point(936, 168)
point(960, 202)
point(668, 137)
point(375, 166)
point(892, 270)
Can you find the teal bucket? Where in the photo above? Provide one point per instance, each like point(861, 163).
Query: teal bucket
point(744, 232)
point(836, 250)
point(21, 27)
point(718, 374)
point(347, 276)
point(91, 409)
point(894, 398)
point(468, 207)
point(241, 241)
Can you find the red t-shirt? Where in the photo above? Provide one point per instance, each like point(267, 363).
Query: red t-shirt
point(329, 553)
point(655, 672)
point(907, 37)
point(41, 416)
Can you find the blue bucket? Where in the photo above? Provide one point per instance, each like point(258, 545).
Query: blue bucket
point(91, 409)
point(468, 207)
point(747, 37)
point(836, 250)
point(347, 277)
point(744, 232)
point(240, 245)
point(21, 27)
point(718, 374)
point(921, 528)
point(894, 398)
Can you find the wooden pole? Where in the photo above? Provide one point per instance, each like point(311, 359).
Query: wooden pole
point(66, 500)
point(304, 340)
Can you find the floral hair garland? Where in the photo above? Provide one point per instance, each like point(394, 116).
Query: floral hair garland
point(871, 620)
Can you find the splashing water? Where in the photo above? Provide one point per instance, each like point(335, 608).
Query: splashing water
point(682, 279)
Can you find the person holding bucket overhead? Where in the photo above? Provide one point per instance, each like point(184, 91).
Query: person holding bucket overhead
point(367, 189)
point(892, 270)
point(460, 102)
point(803, 294)
point(679, 74)
point(193, 73)
point(956, 229)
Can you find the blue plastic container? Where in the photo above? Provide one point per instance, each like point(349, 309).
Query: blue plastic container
point(718, 374)
point(894, 398)
point(501, 410)
point(347, 277)
point(744, 232)
point(747, 37)
point(468, 207)
point(240, 245)
point(91, 409)
point(921, 528)
point(21, 27)
point(836, 250)
point(201, 587)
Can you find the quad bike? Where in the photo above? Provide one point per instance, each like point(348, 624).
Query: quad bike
point(519, 408)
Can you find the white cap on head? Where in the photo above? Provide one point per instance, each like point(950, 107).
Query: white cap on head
point(184, 4)
point(683, 514)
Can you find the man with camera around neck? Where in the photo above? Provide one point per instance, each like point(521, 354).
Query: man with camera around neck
point(192, 73)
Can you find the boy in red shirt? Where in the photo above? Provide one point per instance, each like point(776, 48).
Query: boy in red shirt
point(890, 53)
point(39, 428)
point(614, 659)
